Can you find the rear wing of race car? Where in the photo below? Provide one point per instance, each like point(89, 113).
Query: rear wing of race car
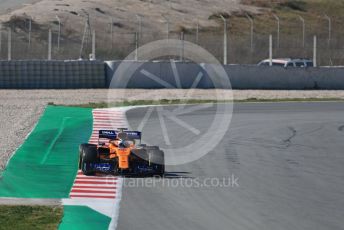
point(112, 134)
point(108, 134)
point(136, 135)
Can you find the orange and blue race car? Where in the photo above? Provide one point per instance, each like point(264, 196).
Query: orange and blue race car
point(118, 152)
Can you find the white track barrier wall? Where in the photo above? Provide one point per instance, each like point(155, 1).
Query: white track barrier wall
point(40, 74)
point(254, 77)
point(241, 76)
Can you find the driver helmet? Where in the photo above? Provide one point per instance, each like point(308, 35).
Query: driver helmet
point(122, 143)
point(115, 142)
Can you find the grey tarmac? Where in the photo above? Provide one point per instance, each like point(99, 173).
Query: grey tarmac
point(288, 160)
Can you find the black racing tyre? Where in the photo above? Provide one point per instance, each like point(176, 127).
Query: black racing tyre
point(87, 169)
point(85, 145)
point(89, 157)
point(81, 148)
point(156, 156)
point(157, 160)
point(151, 147)
point(115, 165)
point(139, 154)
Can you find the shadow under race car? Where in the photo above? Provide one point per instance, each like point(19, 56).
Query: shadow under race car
point(117, 153)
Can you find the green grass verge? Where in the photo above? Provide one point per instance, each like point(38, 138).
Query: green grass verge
point(30, 217)
point(194, 101)
point(84, 218)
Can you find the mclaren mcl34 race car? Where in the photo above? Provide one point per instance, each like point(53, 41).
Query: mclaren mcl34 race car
point(118, 153)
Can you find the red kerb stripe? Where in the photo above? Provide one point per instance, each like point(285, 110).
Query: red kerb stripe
point(94, 182)
point(76, 186)
point(88, 196)
point(92, 191)
point(97, 178)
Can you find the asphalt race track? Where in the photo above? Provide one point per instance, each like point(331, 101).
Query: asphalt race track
point(288, 158)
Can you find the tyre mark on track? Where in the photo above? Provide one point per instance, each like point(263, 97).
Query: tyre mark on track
point(288, 140)
point(52, 144)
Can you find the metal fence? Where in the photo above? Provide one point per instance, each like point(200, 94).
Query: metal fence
point(23, 38)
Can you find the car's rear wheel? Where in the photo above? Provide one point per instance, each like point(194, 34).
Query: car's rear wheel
point(139, 155)
point(89, 157)
point(151, 147)
point(157, 160)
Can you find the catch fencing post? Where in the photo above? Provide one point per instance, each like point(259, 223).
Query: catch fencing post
point(9, 45)
point(224, 40)
point(136, 46)
point(252, 30)
point(111, 31)
point(315, 51)
point(93, 45)
point(83, 39)
point(197, 31)
point(167, 26)
point(278, 30)
point(182, 48)
point(139, 18)
point(329, 37)
point(270, 50)
point(30, 29)
point(49, 45)
point(303, 31)
point(59, 32)
point(329, 29)
point(0, 39)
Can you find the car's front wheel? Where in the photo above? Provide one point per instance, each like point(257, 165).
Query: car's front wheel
point(89, 157)
point(82, 147)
